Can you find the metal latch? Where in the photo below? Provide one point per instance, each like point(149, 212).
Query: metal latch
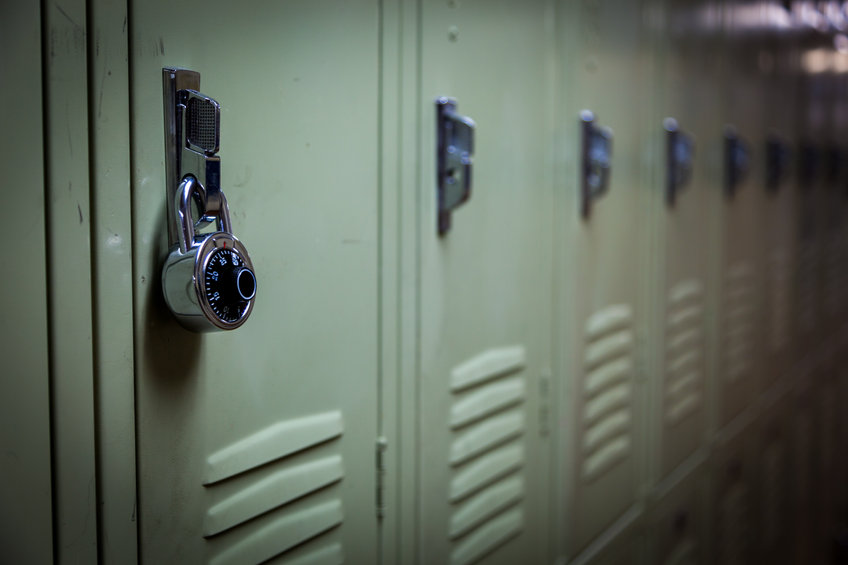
point(680, 150)
point(737, 158)
point(778, 159)
point(596, 160)
point(455, 145)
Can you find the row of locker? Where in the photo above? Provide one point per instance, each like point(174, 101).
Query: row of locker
point(636, 382)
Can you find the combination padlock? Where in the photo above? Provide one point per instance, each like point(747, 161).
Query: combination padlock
point(208, 278)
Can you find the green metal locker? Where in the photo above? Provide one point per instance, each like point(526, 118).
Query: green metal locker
point(601, 243)
point(685, 209)
point(260, 442)
point(741, 274)
point(677, 518)
point(484, 316)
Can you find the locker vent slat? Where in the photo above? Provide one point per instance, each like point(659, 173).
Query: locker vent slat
point(740, 307)
point(780, 297)
point(684, 351)
point(282, 534)
point(329, 555)
point(489, 537)
point(606, 417)
point(276, 490)
point(273, 442)
point(487, 453)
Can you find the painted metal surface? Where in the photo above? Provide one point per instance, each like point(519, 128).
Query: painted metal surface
point(484, 323)
point(601, 314)
point(535, 384)
point(26, 534)
point(291, 396)
point(687, 236)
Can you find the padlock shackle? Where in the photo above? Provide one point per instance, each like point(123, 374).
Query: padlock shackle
point(185, 222)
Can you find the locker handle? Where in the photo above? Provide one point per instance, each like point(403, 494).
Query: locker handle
point(596, 156)
point(680, 156)
point(737, 159)
point(455, 146)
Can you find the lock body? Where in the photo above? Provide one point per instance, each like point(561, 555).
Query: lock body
point(211, 285)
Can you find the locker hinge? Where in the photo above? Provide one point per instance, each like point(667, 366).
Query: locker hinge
point(545, 403)
point(382, 445)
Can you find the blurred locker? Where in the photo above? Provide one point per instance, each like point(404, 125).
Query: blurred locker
point(741, 274)
point(815, 100)
point(603, 69)
point(686, 200)
point(834, 253)
point(732, 500)
point(259, 443)
point(774, 520)
point(677, 520)
point(779, 66)
point(485, 281)
point(803, 471)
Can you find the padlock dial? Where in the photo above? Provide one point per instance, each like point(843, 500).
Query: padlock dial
point(229, 284)
point(224, 280)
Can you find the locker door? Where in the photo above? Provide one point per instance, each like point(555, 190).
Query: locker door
point(835, 270)
point(732, 501)
point(741, 302)
point(601, 257)
point(688, 239)
point(258, 444)
point(814, 101)
point(485, 287)
point(677, 522)
point(774, 522)
point(780, 80)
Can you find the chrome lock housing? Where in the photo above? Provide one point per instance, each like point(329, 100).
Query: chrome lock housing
point(208, 279)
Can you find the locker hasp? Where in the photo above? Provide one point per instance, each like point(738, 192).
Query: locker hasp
point(737, 160)
point(680, 150)
point(596, 158)
point(454, 147)
point(208, 279)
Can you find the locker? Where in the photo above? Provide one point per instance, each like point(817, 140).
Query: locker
point(485, 329)
point(601, 314)
point(804, 488)
point(780, 79)
point(732, 500)
point(774, 518)
point(835, 270)
point(677, 517)
point(813, 131)
point(484, 321)
point(690, 84)
point(741, 273)
point(827, 450)
point(259, 443)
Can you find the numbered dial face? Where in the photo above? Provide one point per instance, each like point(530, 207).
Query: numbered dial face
point(229, 284)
